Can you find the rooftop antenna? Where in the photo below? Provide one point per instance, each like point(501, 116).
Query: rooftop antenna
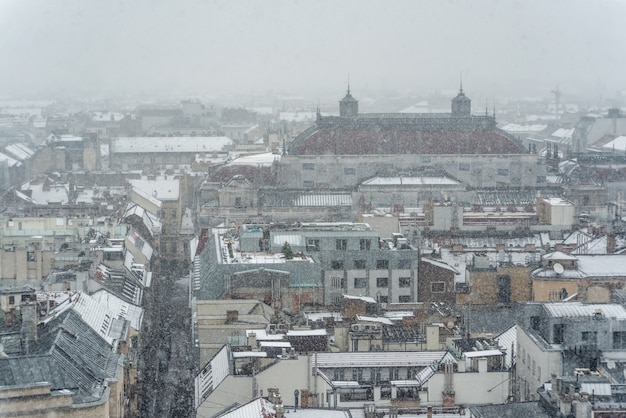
point(486, 107)
point(318, 113)
point(348, 83)
point(461, 79)
point(557, 98)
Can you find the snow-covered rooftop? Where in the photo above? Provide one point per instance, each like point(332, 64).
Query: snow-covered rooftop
point(55, 193)
point(119, 307)
point(609, 265)
point(527, 127)
point(440, 264)
point(367, 299)
point(557, 201)
point(579, 310)
point(563, 133)
point(11, 162)
point(618, 144)
point(377, 319)
point(187, 144)
point(19, 151)
point(410, 181)
point(161, 188)
point(265, 159)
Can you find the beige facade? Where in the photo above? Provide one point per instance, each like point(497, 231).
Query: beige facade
point(172, 241)
point(327, 171)
point(20, 401)
point(555, 211)
point(503, 284)
point(22, 266)
point(28, 245)
point(217, 320)
point(12, 298)
point(550, 290)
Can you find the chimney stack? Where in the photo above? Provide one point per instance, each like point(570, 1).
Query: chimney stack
point(232, 316)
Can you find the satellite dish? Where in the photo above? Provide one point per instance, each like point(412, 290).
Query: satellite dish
point(558, 268)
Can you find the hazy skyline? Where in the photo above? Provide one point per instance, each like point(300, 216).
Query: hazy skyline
point(73, 47)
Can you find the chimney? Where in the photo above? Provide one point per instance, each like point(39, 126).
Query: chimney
point(232, 316)
point(482, 365)
point(611, 244)
point(29, 325)
point(280, 411)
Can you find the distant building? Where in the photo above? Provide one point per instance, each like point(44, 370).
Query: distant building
point(560, 337)
point(138, 153)
point(343, 257)
point(465, 146)
point(70, 363)
point(589, 278)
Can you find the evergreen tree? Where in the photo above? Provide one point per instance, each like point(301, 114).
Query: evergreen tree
point(287, 251)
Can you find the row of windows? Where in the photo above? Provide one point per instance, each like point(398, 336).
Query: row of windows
point(348, 171)
point(23, 298)
point(503, 172)
point(362, 264)
point(375, 374)
point(383, 282)
point(530, 363)
point(351, 171)
point(361, 282)
point(341, 244)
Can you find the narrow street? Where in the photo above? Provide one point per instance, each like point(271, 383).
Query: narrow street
point(166, 385)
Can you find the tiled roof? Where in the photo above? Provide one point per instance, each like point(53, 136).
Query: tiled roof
point(69, 355)
point(29, 370)
point(390, 139)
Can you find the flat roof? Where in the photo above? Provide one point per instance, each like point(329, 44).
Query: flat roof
point(580, 310)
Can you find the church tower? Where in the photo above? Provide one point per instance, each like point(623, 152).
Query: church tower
point(348, 106)
point(461, 104)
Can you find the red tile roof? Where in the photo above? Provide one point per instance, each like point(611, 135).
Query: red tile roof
point(371, 140)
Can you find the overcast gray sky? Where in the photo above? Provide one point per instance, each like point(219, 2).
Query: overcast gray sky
point(310, 47)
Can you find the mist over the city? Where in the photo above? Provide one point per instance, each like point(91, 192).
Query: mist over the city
point(320, 208)
point(502, 49)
